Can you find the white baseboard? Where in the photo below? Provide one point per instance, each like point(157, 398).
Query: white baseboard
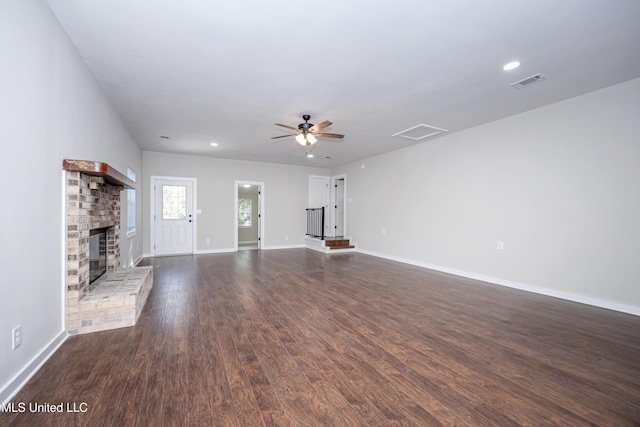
point(268, 248)
point(214, 251)
point(507, 283)
point(137, 261)
point(322, 249)
point(10, 389)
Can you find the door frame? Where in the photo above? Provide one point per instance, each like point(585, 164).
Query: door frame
point(261, 215)
point(152, 210)
point(332, 213)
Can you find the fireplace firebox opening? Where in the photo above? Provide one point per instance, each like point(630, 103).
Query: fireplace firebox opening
point(97, 253)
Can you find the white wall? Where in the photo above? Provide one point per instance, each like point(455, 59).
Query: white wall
point(559, 185)
point(51, 108)
point(285, 195)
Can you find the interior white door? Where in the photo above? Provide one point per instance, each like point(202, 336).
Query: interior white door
point(173, 222)
point(318, 191)
point(339, 207)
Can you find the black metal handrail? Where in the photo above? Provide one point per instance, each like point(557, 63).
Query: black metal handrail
point(315, 222)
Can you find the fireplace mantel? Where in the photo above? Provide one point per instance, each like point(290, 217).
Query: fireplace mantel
point(100, 169)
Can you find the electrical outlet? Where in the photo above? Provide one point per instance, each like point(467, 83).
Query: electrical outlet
point(16, 337)
point(500, 246)
point(286, 237)
point(207, 241)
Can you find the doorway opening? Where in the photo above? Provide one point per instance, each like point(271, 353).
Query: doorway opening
point(319, 198)
point(330, 193)
point(249, 221)
point(338, 195)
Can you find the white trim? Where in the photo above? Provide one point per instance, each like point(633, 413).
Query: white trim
point(215, 251)
point(230, 250)
point(194, 208)
point(269, 248)
point(515, 285)
point(318, 249)
point(13, 386)
point(63, 251)
point(247, 242)
point(261, 198)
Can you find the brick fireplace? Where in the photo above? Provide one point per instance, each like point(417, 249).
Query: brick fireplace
point(115, 299)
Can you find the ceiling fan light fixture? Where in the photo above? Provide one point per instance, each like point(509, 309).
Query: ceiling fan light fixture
point(306, 139)
point(307, 133)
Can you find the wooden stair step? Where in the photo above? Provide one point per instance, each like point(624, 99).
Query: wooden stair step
point(341, 247)
point(338, 244)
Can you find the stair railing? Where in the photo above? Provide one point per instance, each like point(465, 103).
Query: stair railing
point(315, 222)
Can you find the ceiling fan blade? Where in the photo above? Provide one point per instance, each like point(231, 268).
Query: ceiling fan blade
point(329, 135)
point(286, 126)
point(320, 126)
point(283, 136)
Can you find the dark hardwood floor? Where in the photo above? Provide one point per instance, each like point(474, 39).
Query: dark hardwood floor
point(296, 337)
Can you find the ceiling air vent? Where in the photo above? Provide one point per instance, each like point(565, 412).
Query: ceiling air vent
point(528, 81)
point(418, 132)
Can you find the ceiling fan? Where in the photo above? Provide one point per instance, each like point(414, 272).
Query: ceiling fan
point(307, 133)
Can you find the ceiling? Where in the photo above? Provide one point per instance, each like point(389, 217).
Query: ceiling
point(226, 71)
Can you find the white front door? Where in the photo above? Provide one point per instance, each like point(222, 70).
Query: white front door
point(173, 222)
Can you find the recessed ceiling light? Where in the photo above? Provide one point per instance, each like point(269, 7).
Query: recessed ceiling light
point(246, 185)
point(213, 144)
point(511, 66)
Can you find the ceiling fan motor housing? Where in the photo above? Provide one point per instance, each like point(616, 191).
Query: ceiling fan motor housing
point(306, 125)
